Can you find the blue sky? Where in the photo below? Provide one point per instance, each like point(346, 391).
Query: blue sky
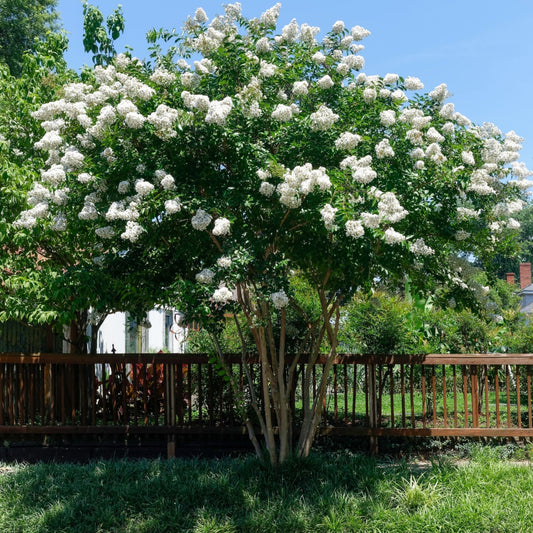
point(482, 49)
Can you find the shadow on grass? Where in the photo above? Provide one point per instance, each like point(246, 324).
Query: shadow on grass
point(188, 495)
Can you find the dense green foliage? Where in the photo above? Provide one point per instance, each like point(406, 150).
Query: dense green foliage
point(22, 24)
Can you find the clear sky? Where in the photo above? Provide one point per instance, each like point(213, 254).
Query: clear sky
point(482, 49)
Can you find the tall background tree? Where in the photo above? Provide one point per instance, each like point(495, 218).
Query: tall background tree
point(22, 22)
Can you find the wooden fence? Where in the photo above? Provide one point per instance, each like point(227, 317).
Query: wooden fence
point(181, 394)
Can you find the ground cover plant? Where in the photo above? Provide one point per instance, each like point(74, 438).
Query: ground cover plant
point(338, 491)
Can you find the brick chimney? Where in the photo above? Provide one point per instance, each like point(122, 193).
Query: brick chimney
point(510, 278)
point(525, 275)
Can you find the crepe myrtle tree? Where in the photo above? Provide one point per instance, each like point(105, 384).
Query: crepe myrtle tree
point(244, 157)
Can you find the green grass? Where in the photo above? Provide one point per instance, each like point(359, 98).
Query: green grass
point(334, 492)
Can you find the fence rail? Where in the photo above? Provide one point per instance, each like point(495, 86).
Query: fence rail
point(179, 394)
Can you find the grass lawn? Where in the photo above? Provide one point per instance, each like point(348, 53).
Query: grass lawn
point(337, 491)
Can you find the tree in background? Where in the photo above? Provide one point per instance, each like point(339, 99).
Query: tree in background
point(22, 24)
point(48, 278)
point(244, 160)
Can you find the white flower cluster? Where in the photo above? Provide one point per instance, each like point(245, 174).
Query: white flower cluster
point(347, 141)
point(222, 295)
point(361, 170)
point(328, 216)
point(388, 117)
point(465, 213)
point(172, 206)
point(413, 84)
point(164, 119)
point(205, 277)
point(389, 208)
point(201, 220)
point(301, 181)
point(270, 17)
point(323, 118)
point(419, 247)
point(133, 231)
point(163, 77)
point(391, 236)
point(279, 299)
point(218, 111)
point(479, 183)
point(384, 149)
point(325, 82)
point(224, 261)
point(354, 229)
point(222, 227)
point(284, 113)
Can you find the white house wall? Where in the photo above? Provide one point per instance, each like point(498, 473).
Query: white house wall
point(112, 333)
point(163, 335)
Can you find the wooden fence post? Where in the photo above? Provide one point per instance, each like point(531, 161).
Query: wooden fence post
point(170, 400)
point(475, 395)
point(373, 414)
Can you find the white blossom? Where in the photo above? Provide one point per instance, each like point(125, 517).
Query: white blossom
point(205, 276)
point(370, 220)
point(222, 295)
point(325, 82)
point(391, 236)
point(201, 220)
point(359, 33)
point(468, 158)
point(200, 16)
point(328, 216)
point(338, 27)
point(433, 136)
point(123, 187)
point(163, 77)
point(219, 111)
point(172, 206)
point(388, 117)
point(300, 88)
point(224, 262)
point(464, 213)
point(222, 227)
point(319, 58)
point(355, 229)
point(168, 182)
point(323, 118)
point(134, 120)
point(347, 141)
point(270, 17)
point(369, 95)
point(419, 247)
point(133, 231)
point(267, 70)
point(279, 299)
point(384, 149)
point(143, 187)
point(55, 175)
point(440, 93)
point(282, 113)
point(105, 232)
point(389, 208)
point(266, 189)
point(413, 84)
point(51, 140)
point(126, 106)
